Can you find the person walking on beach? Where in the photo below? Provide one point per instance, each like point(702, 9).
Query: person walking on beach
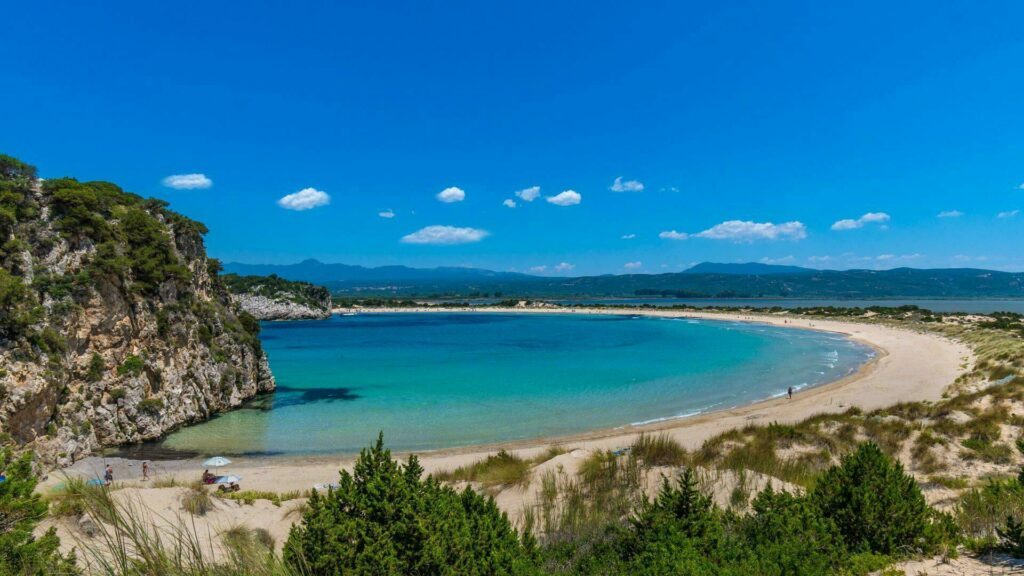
point(790, 392)
point(108, 475)
point(145, 470)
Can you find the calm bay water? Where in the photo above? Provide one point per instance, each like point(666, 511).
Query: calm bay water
point(977, 306)
point(443, 380)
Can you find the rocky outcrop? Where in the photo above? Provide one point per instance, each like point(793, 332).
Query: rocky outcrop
point(266, 308)
point(113, 340)
point(275, 298)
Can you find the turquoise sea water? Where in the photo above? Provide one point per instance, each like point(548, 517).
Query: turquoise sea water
point(442, 380)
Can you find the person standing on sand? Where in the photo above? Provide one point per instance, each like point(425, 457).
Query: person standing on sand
point(145, 470)
point(108, 475)
point(790, 392)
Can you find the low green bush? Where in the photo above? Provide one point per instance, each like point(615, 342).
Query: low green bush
point(131, 366)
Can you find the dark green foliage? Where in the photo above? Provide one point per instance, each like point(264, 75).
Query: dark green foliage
point(249, 323)
point(1011, 537)
point(683, 532)
point(876, 506)
point(20, 511)
point(385, 519)
point(130, 238)
point(15, 305)
point(277, 288)
point(149, 250)
point(789, 536)
point(132, 366)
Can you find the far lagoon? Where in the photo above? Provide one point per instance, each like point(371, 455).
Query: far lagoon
point(443, 380)
point(971, 306)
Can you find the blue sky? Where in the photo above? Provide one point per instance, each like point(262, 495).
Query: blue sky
point(754, 128)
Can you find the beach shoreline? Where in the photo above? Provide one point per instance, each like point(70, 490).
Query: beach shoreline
point(908, 366)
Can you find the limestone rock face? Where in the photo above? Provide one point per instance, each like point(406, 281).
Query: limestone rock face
point(268, 308)
point(103, 362)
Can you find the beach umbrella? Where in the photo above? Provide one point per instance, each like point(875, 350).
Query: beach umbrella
point(229, 479)
point(217, 462)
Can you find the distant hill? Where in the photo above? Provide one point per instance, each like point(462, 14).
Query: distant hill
point(707, 280)
point(337, 276)
point(748, 269)
point(895, 283)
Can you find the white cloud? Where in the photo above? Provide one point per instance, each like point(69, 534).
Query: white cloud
point(898, 257)
point(509, 203)
point(627, 186)
point(389, 213)
point(305, 199)
point(950, 214)
point(869, 218)
point(820, 259)
point(565, 198)
point(746, 231)
point(1021, 187)
point(560, 267)
point(628, 236)
point(529, 194)
point(968, 258)
point(451, 194)
point(187, 181)
point(783, 260)
point(673, 235)
point(669, 189)
point(1008, 214)
point(632, 265)
point(445, 235)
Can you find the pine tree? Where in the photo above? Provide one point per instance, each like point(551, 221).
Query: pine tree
point(21, 509)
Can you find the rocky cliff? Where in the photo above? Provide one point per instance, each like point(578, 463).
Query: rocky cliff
point(274, 298)
point(114, 325)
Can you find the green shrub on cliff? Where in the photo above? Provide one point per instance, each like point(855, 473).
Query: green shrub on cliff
point(132, 366)
point(384, 518)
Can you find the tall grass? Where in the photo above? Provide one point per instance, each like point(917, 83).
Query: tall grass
point(981, 510)
point(659, 450)
point(71, 498)
point(197, 500)
point(129, 542)
point(275, 498)
point(501, 469)
point(575, 509)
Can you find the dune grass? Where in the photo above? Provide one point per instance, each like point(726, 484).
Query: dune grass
point(501, 469)
point(579, 508)
point(130, 543)
point(658, 450)
point(251, 496)
point(197, 500)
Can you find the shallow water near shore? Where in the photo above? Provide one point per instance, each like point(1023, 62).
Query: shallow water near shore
point(444, 380)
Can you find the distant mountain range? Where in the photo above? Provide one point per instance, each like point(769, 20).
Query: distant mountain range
point(747, 269)
point(705, 280)
point(345, 276)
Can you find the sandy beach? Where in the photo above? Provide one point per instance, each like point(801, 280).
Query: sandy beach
point(909, 366)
